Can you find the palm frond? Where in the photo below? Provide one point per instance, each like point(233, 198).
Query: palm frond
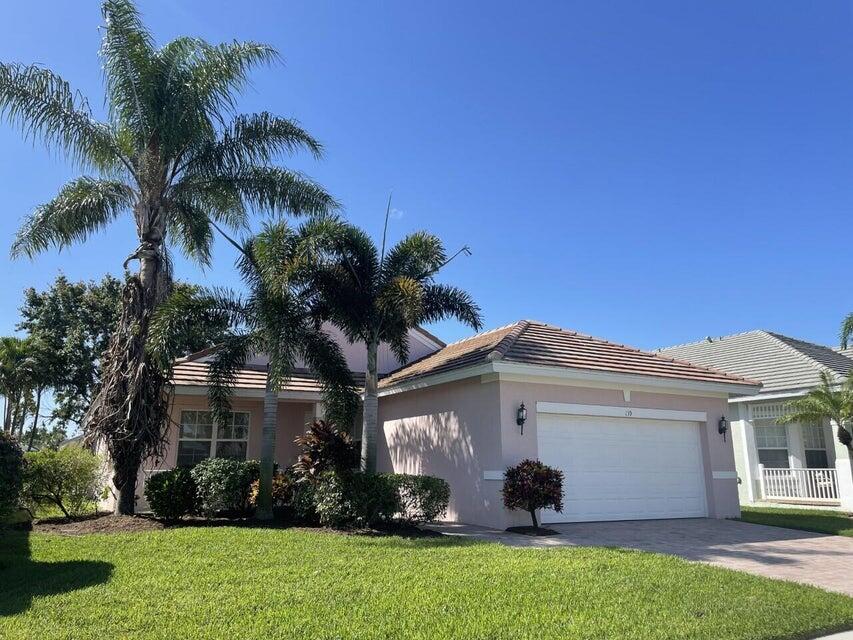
point(44, 106)
point(402, 296)
point(191, 229)
point(255, 139)
point(442, 301)
point(228, 359)
point(418, 255)
point(846, 330)
point(273, 189)
point(127, 52)
point(83, 206)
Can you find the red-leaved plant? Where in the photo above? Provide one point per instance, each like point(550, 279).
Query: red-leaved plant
point(531, 485)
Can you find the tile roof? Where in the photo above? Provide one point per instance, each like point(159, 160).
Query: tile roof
point(194, 374)
point(537, 343)
point(781, 363)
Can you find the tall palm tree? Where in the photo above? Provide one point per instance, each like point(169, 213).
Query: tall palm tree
point(275, 318)
point(174, 155)
point(846, 330)
point(829, 400)
point(376, 297)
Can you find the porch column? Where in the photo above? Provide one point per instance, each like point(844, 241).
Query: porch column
point(319, 410)
point(844, 467)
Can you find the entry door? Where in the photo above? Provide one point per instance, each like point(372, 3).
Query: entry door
point(623, 468)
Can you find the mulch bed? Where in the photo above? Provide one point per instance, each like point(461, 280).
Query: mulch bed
point(533, 531)
point(108, 523)
point(98, 523)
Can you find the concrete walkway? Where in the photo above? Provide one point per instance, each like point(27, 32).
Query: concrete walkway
point(812, 558)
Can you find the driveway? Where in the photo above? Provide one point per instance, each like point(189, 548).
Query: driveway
point(813, 558)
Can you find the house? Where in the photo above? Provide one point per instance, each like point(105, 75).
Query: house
point(794, 463)
point(635, 433)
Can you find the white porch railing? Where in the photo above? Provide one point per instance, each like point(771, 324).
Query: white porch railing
point(811, 485)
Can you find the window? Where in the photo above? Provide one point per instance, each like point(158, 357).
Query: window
point(200, 438)
point(771, 440)
point(814, 443)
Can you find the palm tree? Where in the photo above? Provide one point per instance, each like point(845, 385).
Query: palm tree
point(174, 155)
point(846, 330)
point(376, 297)
point(15, 375)
point(275, 318)
point(828, 400)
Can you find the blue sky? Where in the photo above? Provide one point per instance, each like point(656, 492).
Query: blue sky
point(647, 172)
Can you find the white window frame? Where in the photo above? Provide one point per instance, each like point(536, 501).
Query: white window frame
point(818, 428)
point(765, 423)
point(214, 432)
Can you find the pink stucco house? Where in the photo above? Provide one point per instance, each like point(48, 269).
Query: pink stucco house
point(636, 434)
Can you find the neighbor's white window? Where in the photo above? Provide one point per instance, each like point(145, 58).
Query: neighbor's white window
point(771, 440)
point(200, 438)
point(814, 442)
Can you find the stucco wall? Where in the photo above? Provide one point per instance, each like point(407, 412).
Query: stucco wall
point(451, 431)
point(460, 430)
point(292, 417)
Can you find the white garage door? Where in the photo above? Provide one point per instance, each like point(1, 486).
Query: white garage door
point(623, 468)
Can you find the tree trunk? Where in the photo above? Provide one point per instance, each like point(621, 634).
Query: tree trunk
point(35, 420)
point(263, 509)
point(124, 479)
point(533, 516)
point(130, 411)
point(371, 409)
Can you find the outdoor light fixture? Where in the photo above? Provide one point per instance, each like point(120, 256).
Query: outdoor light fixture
point(723, 426)
point(521, 417)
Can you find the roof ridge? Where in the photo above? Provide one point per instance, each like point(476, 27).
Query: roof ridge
point(814, 364)
point(653, 354)
point(705, 340)
point(505, 343)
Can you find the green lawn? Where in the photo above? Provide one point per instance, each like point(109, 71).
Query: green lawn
point(840, 524)
point(245, 583)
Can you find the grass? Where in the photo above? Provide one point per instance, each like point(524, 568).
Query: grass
point(821, 521)
point(254, 583)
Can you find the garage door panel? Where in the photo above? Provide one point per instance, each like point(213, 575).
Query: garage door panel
point(620, 469)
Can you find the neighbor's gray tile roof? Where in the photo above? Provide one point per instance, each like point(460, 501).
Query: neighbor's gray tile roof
point(779, 362)
point(537, 343)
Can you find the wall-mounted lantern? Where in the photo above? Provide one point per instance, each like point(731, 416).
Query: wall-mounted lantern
point(722, 427)
point(521, 417)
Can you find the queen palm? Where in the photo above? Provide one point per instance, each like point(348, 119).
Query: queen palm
point(174, 155)
point(846, 330)
point(376, 297)
point(829, 400)
point(275, 317)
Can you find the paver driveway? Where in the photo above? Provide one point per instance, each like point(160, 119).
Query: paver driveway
point(822, 560)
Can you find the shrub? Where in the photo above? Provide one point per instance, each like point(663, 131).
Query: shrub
point(531, 485)
point(69, 478)
point(422, 498)
point(355, 499)
point(325, 448)
point(11, 474)
point(224, 485)
point(172, 494)
point(282, 490)
point(303, 503)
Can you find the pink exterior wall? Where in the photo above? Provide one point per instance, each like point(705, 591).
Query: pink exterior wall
point(292, 417)
point(460, 430)
point(451, 431)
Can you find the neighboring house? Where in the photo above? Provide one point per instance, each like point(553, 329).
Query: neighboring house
point(797, 463)
point(635, 433)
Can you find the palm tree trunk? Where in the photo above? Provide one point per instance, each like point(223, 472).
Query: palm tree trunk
point(129, 413)
point(371, 410)
point(35, 420)
point(263, 510)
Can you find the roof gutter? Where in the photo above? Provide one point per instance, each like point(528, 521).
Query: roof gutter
point(544, 374)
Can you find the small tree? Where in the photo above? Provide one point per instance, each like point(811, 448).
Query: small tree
point(531, 485)
point(828, 400)
point(69, 479)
